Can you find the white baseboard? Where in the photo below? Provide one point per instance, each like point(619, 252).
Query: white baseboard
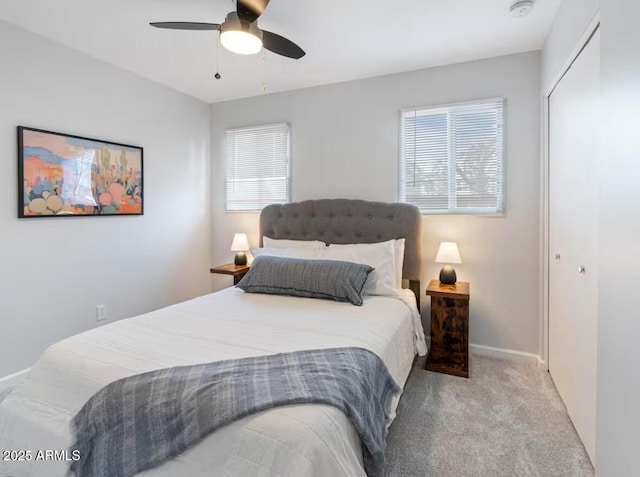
point(504, 353)
point(508, 354)
point(542, 364)
point(13, 379)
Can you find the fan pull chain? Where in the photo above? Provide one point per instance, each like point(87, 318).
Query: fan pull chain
point(264, 74)
point(217, 75)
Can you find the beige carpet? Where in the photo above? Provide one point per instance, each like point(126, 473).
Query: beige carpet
point(506, 420)
point(4, 393)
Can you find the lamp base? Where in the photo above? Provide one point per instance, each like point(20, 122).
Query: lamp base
point(241, 258)
point(448, 275)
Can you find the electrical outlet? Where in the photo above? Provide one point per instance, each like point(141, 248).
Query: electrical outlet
point(101, 312)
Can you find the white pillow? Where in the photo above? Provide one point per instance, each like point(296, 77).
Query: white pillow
point(307, 244)
point(398, 246)
point(380, 256)
point(305, 253)
point(398, 254)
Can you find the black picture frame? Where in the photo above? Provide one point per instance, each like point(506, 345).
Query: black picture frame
point(64, 175)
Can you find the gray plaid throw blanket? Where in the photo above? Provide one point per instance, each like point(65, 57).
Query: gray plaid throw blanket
point(139, 422)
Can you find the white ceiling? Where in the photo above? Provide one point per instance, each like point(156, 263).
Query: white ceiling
point(344, 39)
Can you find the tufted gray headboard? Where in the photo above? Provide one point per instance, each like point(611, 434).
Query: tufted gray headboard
point(349, 221)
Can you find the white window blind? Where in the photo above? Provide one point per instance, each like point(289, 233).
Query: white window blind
point(451, 158)
point(257, 162)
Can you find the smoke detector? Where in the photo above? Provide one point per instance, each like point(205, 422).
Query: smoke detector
point(521, 8)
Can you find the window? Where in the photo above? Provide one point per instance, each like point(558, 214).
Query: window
point(257, 162)
point(451, 158)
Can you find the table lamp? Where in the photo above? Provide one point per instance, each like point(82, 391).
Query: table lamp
point(240, 245)
point(448, 253)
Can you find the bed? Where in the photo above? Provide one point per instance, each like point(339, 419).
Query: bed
point(296, 440)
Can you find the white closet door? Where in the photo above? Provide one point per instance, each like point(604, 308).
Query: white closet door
point(574, 120)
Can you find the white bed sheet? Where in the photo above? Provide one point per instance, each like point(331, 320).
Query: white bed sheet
point(298, 440)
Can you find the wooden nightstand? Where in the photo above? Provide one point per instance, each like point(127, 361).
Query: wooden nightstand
point(449, 350)
point(238, 271)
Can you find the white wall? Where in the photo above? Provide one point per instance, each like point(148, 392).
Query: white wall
point(345, 144)
point(618, 395)
point(53, 272)
point(571, 21)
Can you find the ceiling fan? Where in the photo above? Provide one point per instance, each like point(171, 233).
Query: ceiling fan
point(240, 33)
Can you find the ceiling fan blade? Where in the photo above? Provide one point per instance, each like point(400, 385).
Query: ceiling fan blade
point(186, 25)
point(281, 46)
point(250, 10)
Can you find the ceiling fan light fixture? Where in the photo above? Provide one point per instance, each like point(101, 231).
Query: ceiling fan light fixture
point(241, 42)
point(240, 33)
point(240, 36)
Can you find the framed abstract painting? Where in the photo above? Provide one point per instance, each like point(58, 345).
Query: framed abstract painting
point(65, 175)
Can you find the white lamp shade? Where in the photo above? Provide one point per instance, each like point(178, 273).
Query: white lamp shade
point(240, 243)
point(448, 253)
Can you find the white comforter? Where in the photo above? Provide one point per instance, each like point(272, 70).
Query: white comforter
point(297, 440)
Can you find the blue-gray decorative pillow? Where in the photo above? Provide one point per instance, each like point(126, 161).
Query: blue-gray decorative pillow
point(330, 279)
